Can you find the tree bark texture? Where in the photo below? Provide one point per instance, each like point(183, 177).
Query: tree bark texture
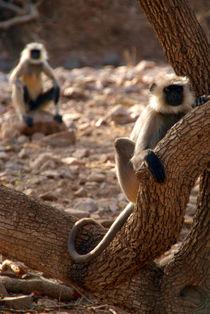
point(183, 40)
point(123, 275)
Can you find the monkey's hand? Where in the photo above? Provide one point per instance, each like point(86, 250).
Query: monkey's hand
point(155, 166)
point(58, 118)
point(28, 120)
point(201, 100)
point(26, 97)
point(153, 162)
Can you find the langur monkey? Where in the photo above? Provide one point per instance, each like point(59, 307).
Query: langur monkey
point(171, 98)
point(26, 79)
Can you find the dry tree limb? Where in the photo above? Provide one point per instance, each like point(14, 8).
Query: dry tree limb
point(46, 287)
point(12, 7)
point(29, 14)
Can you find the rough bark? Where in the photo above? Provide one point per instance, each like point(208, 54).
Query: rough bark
point(191, 266)
point(37, 234)
point(183, 40)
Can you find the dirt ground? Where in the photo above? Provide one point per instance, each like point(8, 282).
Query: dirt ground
point(98, 105)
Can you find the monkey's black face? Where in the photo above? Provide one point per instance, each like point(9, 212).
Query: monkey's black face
point(173, 94)
point(35, 54)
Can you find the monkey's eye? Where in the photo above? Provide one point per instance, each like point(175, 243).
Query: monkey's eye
point(35, 54)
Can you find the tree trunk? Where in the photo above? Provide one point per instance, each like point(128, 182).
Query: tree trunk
point(124, 273)
point(182, 38)
point(37, 234)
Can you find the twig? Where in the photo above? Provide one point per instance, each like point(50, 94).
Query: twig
point(12, 7)
point(32, 15)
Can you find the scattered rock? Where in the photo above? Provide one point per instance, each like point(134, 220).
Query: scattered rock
point(48, 196)
point(24, 153)
point(145, 65)
point(77, 212)
point(51, 174)
point(72, 161)
point(81, 153)
point(75, 93)
point(74, 169)
point(43, 123)
point(60, 139)
point(2, 165)
point(105, 157)
point(87, 204)
point(117, 114)
point(29, 192)
point(41, 160)
point(120, 115)
point(4, 156)
point(97, 177)
point(81, 192)
point(22, 139)
point(91, 186)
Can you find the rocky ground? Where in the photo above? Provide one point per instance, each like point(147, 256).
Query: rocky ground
point(78, 176)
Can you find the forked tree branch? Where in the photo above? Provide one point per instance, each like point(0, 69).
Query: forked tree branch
point(27, 14)
point(12, 7)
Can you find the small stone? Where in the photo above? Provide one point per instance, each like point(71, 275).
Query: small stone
point(24, 153)
point(29, 192)
point(75, 93)
point(49, 164)
point(130, 89)
point(119, 115)
point(145, 65)
point(81, 192)
point(86, 204)
point(77, 212)
point(81, 153)
point(22, 139)
point(74, 169)
point(60, 139)
point(48, 196)
point(44, 160)
point(72, 161)
point(51, 174)
point(97, 177)
point(4, 156)
point(91, 185)
point(105, 157)
point(2, 165)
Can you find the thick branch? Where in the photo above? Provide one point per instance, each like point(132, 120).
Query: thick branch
point(191, 265)
point(158, 218)
point(183, 40)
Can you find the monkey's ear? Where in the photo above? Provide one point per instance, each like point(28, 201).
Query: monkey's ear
point(152, 87)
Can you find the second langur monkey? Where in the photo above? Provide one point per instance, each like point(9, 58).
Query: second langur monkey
point(171, 98)
point(26, 79)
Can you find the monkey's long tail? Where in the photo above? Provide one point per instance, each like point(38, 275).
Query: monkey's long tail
point(108, 237)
